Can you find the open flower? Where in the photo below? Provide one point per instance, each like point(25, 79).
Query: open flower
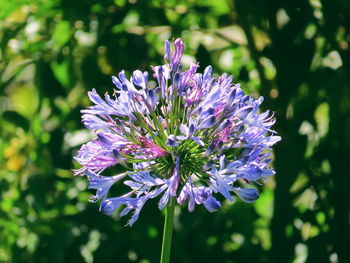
point(191, 138)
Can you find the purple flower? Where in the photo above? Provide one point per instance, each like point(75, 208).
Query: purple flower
point(101, 184)
point(189, 139)
point(248, 195)
point(179, 49)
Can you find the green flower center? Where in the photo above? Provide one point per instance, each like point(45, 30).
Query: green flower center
point(192, 160)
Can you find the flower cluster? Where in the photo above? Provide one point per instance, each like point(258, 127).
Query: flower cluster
point(187, 139)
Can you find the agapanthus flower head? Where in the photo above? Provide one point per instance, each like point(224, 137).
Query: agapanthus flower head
point(190, 138)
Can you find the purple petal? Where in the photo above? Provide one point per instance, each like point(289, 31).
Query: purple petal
point(179, 49)
point(108, 206)
point(211, 204)
point(167, 52)
point(248, 195)
point(139, 79)
point(171, 141)
point(207, 123)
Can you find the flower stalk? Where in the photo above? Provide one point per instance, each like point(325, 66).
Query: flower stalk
point(167, 232)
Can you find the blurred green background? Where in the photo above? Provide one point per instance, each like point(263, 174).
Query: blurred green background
point(295, 53)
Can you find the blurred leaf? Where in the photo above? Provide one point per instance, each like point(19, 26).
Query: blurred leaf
point(62, 33)
point(16, 119)
point(14, 75)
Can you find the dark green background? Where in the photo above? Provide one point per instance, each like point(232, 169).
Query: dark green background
point(295, 53)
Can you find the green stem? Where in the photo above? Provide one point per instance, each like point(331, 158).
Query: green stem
point(168, 232)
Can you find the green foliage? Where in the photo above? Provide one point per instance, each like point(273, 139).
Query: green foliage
point(294, 53)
